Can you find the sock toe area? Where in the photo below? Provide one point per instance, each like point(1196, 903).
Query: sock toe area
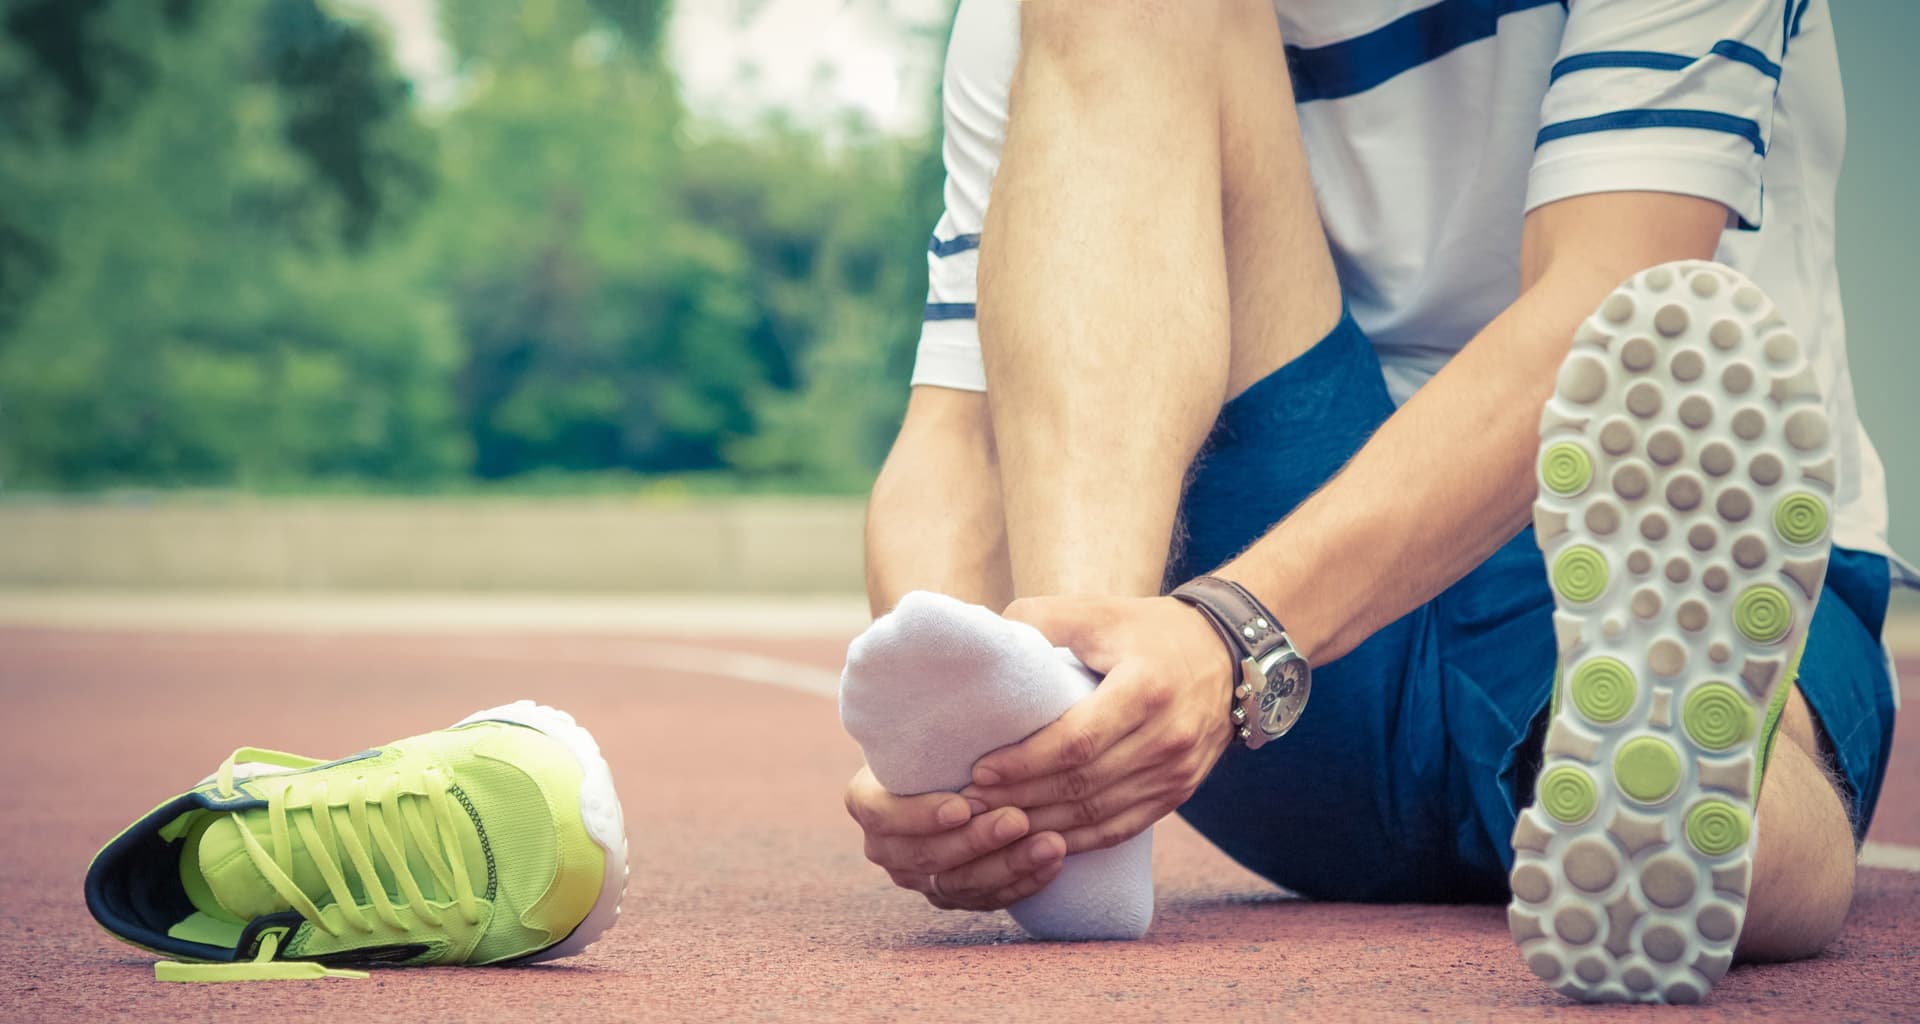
point(935, 684)
point(1100, 895)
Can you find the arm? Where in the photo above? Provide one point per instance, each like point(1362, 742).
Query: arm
point(934, 519)
point(1458, 457)
point(1444, 482)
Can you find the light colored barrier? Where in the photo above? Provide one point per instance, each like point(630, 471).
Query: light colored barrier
point(604, 544)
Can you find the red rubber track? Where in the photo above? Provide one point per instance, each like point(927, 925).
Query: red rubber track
point(750, 899)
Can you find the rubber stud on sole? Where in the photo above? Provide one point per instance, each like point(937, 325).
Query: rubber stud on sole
point(1647, 769)
point(1565, 468)
point(1716, 827)
point(1716, 716)
point(1603, 689)
point(1580, 574)
point(1568, 794)
point(1800, 518)
point(1762, 613)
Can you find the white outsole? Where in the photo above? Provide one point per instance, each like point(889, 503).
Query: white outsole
point(1697, 414)
point(599, 809)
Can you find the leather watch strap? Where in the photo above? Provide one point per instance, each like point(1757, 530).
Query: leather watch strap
point(1241, 620)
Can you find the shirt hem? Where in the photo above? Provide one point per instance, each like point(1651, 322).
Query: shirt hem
point(949, 356)
point(1734, 183)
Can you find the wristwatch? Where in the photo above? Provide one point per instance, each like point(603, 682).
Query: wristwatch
point(1272, 679)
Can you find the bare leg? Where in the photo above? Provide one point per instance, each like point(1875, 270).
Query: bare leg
point(1106, 299)
point(1280, 280)
point(1803, 866)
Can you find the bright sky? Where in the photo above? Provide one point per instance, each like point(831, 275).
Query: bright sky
point(737, 59)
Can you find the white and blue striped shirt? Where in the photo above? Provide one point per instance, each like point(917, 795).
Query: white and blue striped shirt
point(1432, 128)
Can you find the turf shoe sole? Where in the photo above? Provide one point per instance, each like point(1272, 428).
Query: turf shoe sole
point(1685, 476)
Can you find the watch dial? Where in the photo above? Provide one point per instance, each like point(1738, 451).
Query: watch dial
point(1284, 697)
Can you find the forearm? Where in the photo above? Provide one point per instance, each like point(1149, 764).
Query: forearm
point(934, 519)
point(1449, 477)
point(1443, 483)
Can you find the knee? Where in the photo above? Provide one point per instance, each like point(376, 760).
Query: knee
point(1099, 44)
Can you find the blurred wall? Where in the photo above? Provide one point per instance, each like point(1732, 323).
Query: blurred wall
point(1879, 223)
point(627, 545)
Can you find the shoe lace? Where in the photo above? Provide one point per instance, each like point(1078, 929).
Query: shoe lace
point(263, 967)
point(387, 819)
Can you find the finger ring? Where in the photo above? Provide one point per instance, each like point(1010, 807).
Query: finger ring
point(933, 885)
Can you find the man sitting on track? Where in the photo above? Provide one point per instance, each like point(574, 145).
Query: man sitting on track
point(1166, 350)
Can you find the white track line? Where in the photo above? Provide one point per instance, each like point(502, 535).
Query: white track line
point(710, 661)
point(1891, 856)
point(800, 677)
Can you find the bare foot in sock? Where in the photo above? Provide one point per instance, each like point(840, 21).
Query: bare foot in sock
point(935, 684)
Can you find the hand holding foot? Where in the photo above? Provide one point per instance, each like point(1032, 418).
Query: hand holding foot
point(929, 688)
point(936, 846)
point(1135, 750)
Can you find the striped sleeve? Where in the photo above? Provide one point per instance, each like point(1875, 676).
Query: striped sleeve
point(949, 351)
point(974, 88)
point(1663, 96)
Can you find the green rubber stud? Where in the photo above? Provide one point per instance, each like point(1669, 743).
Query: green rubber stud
point(1716, 827)
point(1568, 794)
point(1647, 769)
point(1602, 688)
point(1565, 468)
point(1800, 518)
point(1716, 716)
point(1580, 574)
point(1762, 613)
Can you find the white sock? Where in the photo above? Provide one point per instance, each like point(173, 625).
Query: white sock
point(935, 684)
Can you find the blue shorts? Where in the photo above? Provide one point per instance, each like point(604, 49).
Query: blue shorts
point(1403, 779)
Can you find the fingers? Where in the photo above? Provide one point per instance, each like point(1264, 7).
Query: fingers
point(880, 813)
point(1076, 623)
point(1053, 617)
point(1088, 785)
point(1115, 830)
point(922, 884)
point(934, 889)
point(1149, 786)
point(926, 855)
point(1005, 876)
point(1074, 740)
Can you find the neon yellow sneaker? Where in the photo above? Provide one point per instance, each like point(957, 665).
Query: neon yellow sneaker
point(1686, 480)
point(499, 839)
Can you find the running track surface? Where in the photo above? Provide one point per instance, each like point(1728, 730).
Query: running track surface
point(749, 898)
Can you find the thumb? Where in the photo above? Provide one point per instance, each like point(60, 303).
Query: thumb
point(1080, 624)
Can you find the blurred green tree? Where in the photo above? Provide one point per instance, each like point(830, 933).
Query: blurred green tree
point(212, 309)
point(633, 299)
point(233, 250)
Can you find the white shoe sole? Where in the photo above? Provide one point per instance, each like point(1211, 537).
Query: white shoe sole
point(599, 809)
point(1686, 478)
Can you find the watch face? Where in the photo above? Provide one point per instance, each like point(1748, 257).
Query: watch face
point(1285, 694)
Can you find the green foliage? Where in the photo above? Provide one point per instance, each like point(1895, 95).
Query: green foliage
point(234, 251)
point(203, 319)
